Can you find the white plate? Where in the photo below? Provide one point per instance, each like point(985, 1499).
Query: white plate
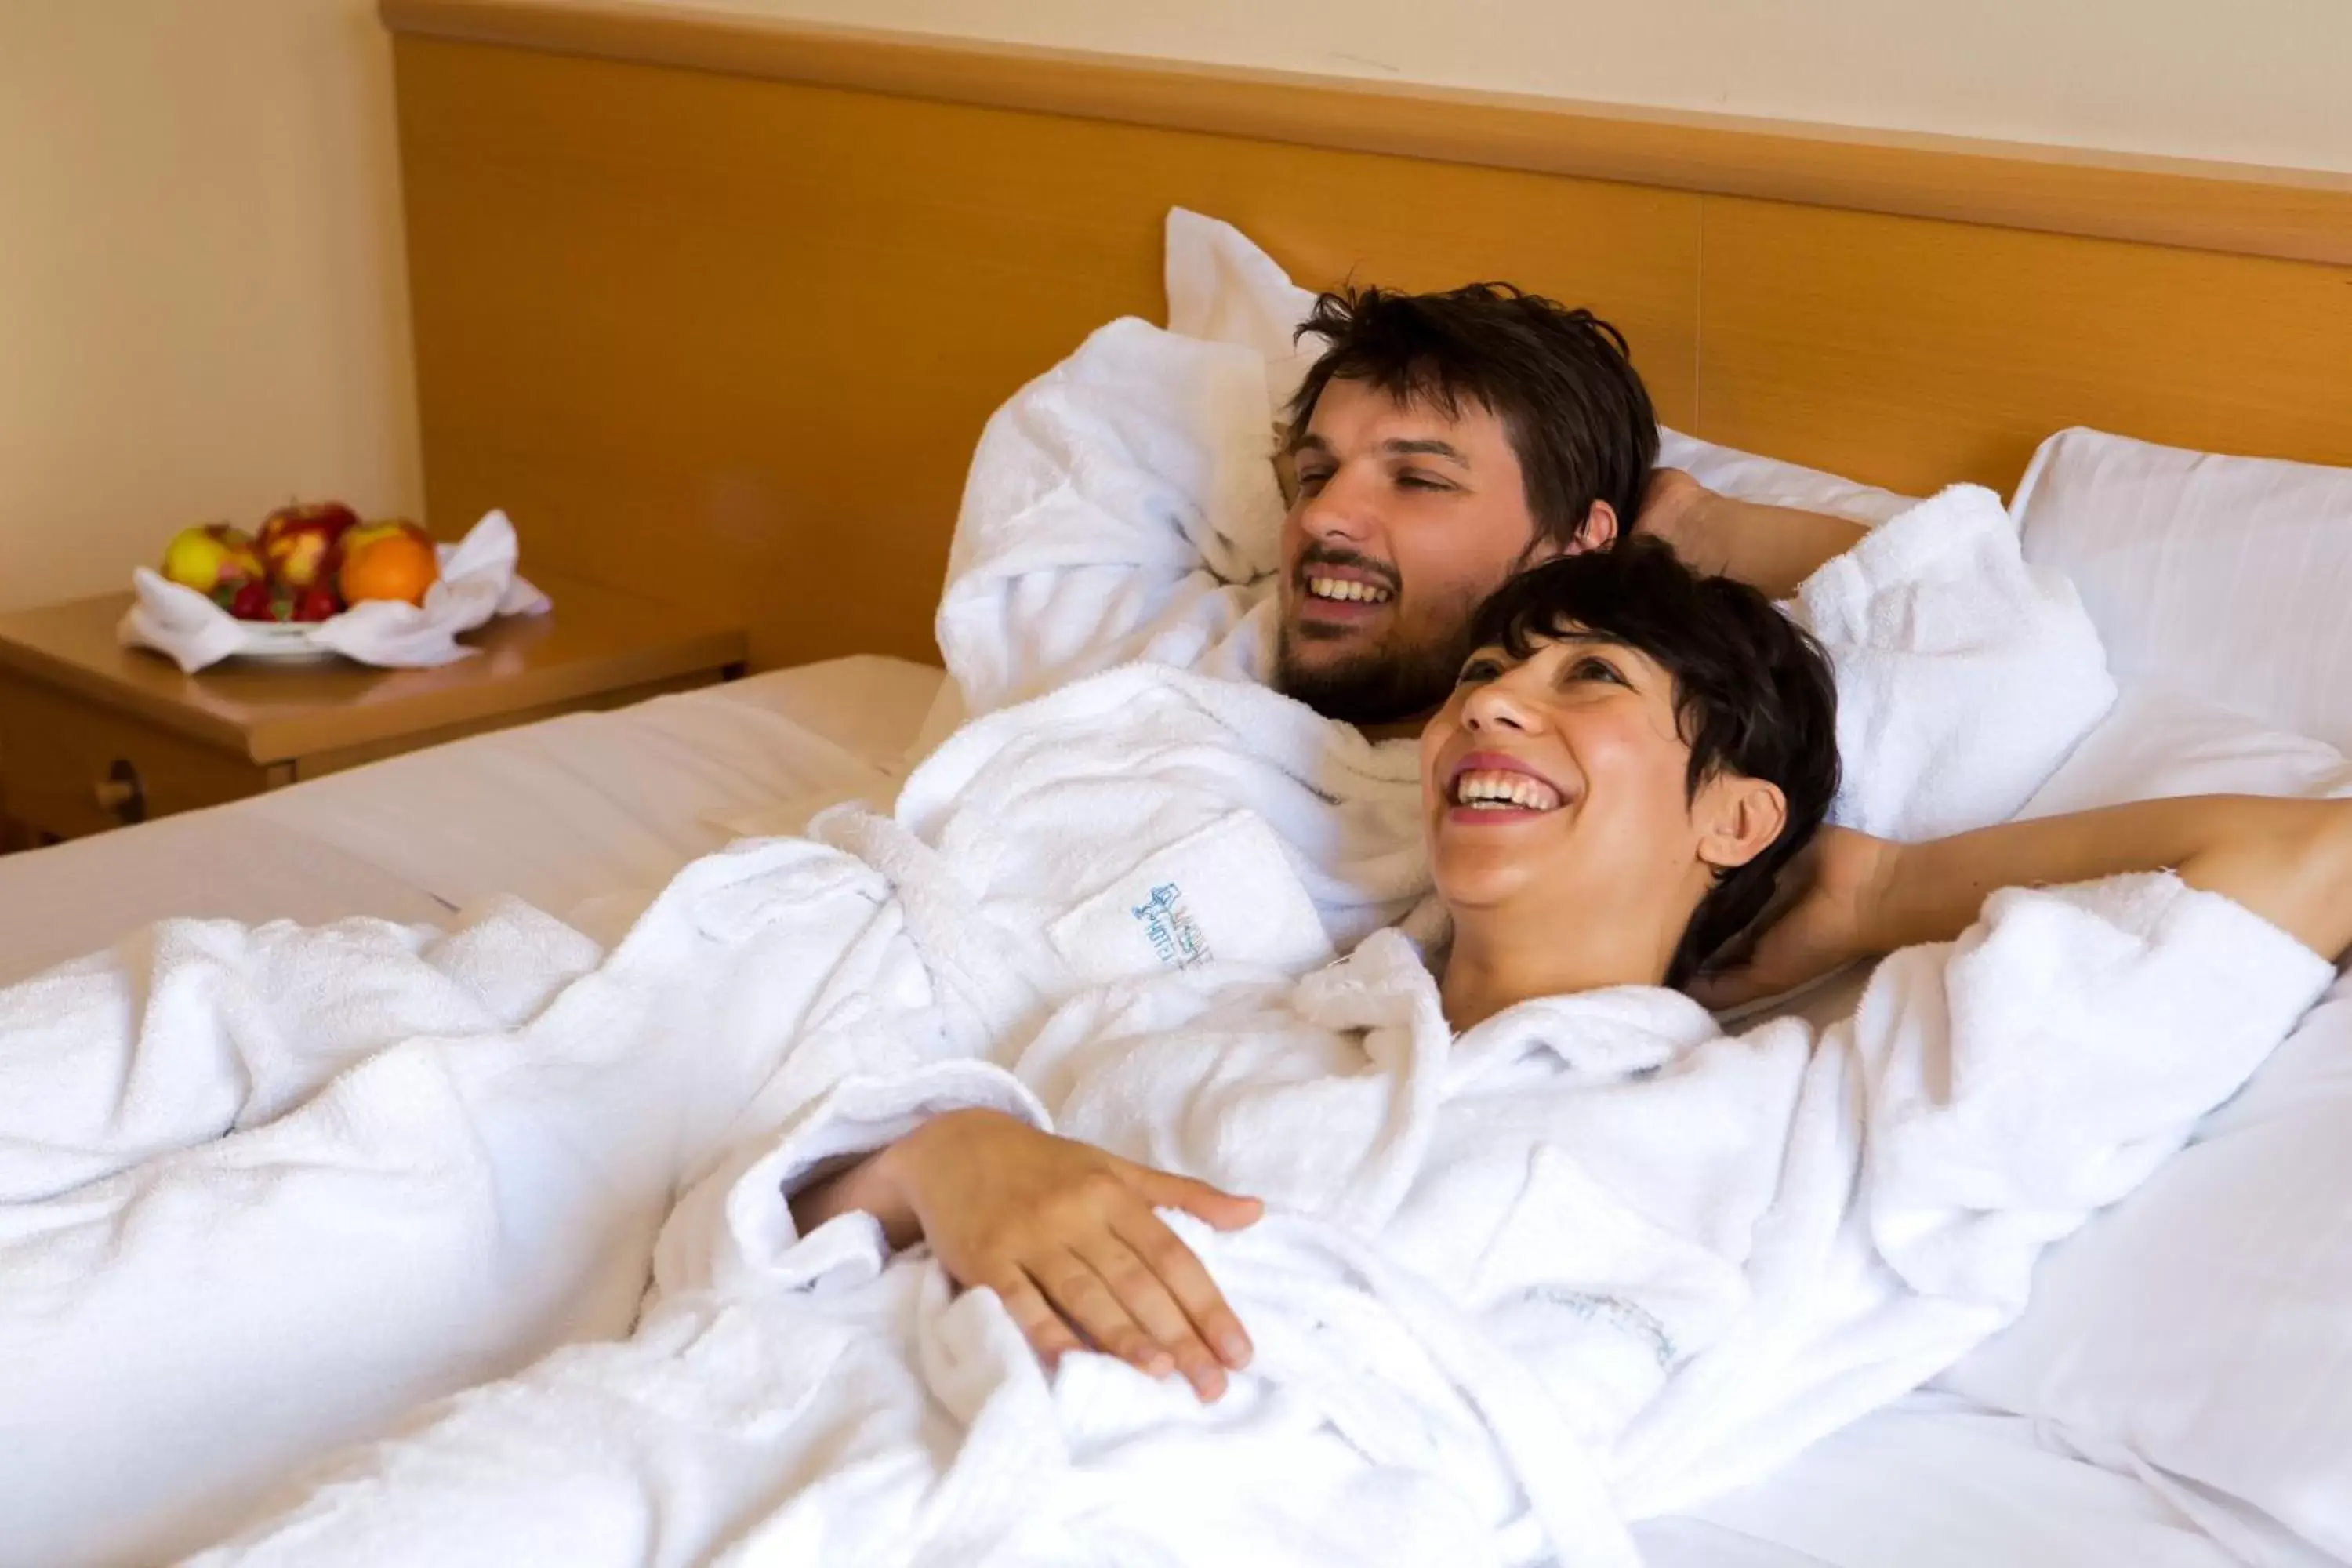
point(284, 643)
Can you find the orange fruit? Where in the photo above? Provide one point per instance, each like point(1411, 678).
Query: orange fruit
point(387, 563)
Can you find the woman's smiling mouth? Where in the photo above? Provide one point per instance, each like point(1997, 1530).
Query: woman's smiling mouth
point(1492, 788)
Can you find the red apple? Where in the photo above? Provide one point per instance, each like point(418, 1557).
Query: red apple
point(302, 543)
point(214, 558)
point(251, 603)
point(317, 603)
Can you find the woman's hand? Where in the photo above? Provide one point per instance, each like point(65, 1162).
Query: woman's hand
point(1821, 921)
point(1065, 1236)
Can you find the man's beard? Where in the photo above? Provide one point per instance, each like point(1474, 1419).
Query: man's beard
point(1378, 686)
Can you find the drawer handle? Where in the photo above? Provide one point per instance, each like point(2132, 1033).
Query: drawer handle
point(121, 794)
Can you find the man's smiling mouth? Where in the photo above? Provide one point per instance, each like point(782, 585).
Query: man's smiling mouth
point(1347, 590)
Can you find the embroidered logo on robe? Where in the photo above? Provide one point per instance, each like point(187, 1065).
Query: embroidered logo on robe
point(1175, 937)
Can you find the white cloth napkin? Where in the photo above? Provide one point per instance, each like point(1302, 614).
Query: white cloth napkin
point(477, 581)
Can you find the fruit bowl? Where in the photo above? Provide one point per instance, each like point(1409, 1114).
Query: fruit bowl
point(478, 581)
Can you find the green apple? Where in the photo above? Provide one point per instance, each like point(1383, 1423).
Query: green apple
point(213, 559)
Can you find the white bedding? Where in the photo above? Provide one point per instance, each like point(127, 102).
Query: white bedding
point(555, 813)
point(1934, 1482)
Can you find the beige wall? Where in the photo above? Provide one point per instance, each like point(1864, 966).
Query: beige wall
point(2260, 81)
point(201, 301)
point(202, 306)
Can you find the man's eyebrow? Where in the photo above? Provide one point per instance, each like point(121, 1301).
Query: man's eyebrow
point(1429, 446)
point(1308, 442)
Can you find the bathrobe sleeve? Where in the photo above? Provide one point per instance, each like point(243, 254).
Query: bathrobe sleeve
point(2042, 1067)
point(734, 1229)
point(1965, 675)
point(1122, 506)
point(1988, 1097)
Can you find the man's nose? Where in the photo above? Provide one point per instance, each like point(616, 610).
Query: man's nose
point(1342, 509)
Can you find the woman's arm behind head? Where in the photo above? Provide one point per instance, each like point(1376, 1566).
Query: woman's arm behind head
point(2289, 861)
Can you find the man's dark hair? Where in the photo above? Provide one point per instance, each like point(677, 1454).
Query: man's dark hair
point(1561, 381)
point(1753, 694)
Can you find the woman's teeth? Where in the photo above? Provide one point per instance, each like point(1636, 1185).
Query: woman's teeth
point(1493, 790)
point(1347, 588)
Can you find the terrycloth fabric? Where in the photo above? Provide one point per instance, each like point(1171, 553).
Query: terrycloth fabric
point(268, 1190)
point(1588, 1262)
point(194, 1029)
point(1122, 507)
point(1964, 676)
point(1145, 822)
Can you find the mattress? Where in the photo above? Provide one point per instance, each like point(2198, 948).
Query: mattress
point(561, 814)
point(574, 811)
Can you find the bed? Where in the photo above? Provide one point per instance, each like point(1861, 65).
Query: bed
point(619, 214)
point(561, 814)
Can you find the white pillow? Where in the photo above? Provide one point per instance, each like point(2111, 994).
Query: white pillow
point(1731, 472)
point(2205, 1322)
point(1222, 288)
point(2155, 744)
point(2224, 578)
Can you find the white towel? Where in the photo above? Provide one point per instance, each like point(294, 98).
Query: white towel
point(478, 581)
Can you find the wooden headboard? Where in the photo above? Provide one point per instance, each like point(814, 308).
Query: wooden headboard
point(716, 306)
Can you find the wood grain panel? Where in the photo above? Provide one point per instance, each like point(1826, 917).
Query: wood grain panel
point(2297, 214)
point(593, 642)
point(1911, 352)
point(734, 339)
point(60, 752)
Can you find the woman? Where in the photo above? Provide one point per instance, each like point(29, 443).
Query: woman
point(1532, 1247)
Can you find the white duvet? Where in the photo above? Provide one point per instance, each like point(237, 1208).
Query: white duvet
point(1588, 1261)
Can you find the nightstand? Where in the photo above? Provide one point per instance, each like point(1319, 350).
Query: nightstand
point(94, 735)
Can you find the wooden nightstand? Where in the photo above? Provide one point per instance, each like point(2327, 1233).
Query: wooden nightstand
point(94, 735)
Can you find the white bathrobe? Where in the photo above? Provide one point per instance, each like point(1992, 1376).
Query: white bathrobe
point(1590, 1261)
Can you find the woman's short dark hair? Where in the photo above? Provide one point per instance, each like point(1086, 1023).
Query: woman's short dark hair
point(1753, 693)
point(1561, 381)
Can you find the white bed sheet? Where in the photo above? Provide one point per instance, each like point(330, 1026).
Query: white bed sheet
point(558, 812)
point(1934, 1482)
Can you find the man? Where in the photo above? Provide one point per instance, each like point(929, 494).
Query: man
point(1443, 441)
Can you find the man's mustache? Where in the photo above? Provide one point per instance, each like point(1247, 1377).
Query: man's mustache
point(1340, 555)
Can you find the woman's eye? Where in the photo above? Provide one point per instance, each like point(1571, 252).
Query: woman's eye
point(1596, 669)
point(1477, 672)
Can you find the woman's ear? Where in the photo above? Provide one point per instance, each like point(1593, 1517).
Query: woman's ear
point(1738, 818)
